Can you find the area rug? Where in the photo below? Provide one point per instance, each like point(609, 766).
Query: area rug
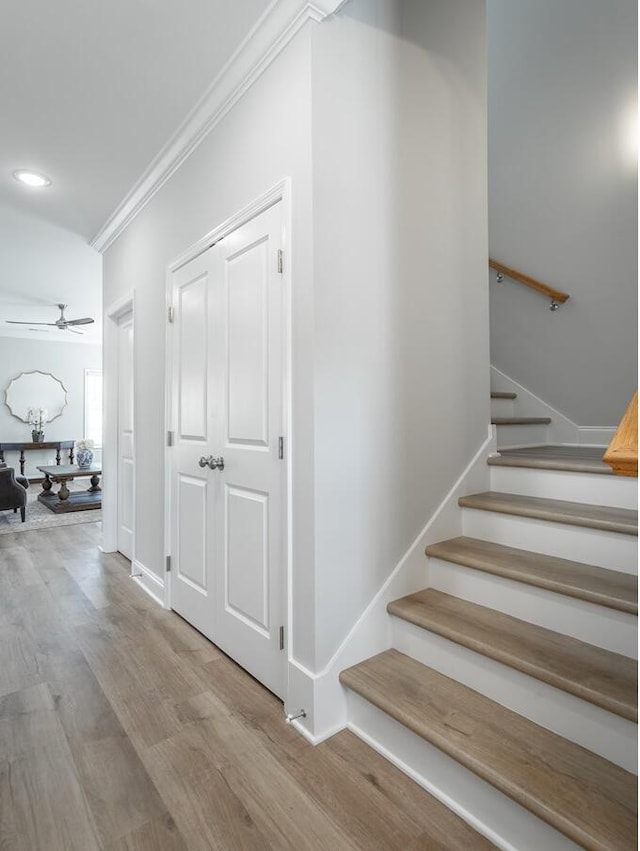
point(38, 516)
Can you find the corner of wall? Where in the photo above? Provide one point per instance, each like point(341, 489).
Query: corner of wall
point(320, 694)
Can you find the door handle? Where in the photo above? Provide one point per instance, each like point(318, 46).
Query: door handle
point(212, 463)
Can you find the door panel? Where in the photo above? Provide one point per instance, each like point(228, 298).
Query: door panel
point(192, 360)
point(248, 356)
point(247, 557)
point(228, 535)
point(191, 510)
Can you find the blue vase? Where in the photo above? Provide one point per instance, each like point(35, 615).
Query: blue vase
point(84, 457)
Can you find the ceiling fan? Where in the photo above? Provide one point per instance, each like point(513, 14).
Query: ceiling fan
point(62, 323)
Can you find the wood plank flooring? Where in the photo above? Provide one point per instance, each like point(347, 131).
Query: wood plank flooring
point(123, 729)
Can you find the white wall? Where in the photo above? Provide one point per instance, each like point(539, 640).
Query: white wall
point(66, 362)
point(563, 199)
point(401, 300)
point(264, 138)
point(378, 116)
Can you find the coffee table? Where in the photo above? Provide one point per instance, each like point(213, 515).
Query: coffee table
point(65, 500)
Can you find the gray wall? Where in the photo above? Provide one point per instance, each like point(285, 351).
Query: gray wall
point(67, 362)
point(563, 199)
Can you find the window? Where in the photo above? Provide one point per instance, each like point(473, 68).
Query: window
point(93, 406)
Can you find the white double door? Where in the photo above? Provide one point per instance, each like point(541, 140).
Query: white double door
point(228, 480)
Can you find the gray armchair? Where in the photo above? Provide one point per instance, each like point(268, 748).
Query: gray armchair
point(13, 491)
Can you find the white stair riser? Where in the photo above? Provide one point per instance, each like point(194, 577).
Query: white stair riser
point(521, 435)
point(594, 488)
point(508, 825)
point(502, 408)
point(592, 546)
point(594, 624)
point(602, 732)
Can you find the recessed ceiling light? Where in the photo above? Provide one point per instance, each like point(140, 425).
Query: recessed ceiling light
point(31, 178)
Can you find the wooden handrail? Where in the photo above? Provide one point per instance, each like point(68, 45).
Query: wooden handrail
point(622, 452)
point(556, 296)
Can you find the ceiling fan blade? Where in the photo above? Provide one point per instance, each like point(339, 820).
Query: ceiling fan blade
point(85, 321)
point(16, 322)
point(73, 331)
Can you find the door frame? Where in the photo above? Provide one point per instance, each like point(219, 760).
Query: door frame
point(112, 316)
point(279, 193)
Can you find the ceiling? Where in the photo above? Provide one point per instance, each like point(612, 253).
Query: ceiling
point(90, 91)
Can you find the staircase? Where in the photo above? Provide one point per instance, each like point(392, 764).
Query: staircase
point(514, 430)
point(510, 691)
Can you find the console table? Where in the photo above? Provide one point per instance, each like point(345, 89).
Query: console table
point(58, 445)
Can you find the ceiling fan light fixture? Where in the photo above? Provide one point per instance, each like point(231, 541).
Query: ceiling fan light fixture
point(31, 178)
point(62, 323)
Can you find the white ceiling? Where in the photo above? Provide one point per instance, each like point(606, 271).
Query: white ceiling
point(40, 266)
point(90, 91)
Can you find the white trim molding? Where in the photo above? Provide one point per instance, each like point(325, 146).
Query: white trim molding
point(149, 582)
point(268, 38)
point(281, 191)
point(321, 694)
point(112, 314)
point(595, 435)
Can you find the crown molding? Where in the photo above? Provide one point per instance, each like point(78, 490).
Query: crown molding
point(271, 34)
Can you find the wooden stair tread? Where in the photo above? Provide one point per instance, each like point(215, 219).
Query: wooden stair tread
point(623, 520)
point(579, 459)
point(555, 450)
point(501, 394)
point(574, 579)
point(590, 800)
point(598, 676)
point(520, 420)
point(573, 465)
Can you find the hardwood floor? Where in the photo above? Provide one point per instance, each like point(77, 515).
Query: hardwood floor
point(123, 729)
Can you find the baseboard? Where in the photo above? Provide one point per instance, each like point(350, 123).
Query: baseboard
point(149, 582)
point(320, 694)
point(420, 778)
point(595, 436)
point(561, 428)
point(506, 824)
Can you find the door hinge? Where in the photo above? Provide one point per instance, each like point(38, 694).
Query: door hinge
point(280, 448)
point(168, 564)
point(171, 313)
point(281, 638)
point(169, 438)
point(280, 260)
